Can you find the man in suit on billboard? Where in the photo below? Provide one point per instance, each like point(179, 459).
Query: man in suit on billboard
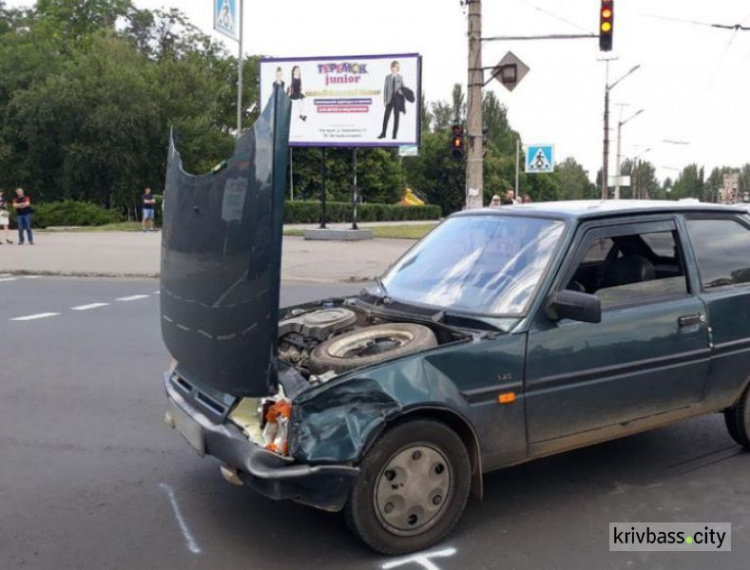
point(393, 99)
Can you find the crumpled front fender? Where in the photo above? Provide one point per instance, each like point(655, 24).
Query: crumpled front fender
point(335, 425)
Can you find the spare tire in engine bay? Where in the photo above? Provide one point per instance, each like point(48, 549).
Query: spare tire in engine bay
point(370, 345)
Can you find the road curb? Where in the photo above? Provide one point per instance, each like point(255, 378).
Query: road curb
point(352, 280)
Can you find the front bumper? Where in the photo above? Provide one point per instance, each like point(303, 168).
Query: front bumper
point(322, 486)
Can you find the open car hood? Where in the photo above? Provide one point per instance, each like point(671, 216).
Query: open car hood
point(221, 260)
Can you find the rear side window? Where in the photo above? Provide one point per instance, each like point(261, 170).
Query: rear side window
point(722, 248)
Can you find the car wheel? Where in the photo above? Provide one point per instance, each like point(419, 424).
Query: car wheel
point(412, 488)
point(370, 345)
point(738, 421)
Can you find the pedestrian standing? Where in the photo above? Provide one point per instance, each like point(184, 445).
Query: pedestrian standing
point(495, 202)
point(508, 198)
point(147, 210)
point(526, 199)
point(22, 204)
point(4, 218)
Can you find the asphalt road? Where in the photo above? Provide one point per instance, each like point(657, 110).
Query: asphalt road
point(91, 478)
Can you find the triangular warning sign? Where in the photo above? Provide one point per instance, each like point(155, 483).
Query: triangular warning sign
point(225, 16)
point(540, 162)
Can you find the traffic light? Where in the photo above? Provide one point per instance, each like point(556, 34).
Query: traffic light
point(457, 142)
point(606, 25)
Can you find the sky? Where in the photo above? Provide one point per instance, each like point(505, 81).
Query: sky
point(693, 83)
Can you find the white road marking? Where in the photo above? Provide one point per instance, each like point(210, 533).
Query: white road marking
point(6, 279)
point(35, 317)
point(191, 544)
point(89, 307)
point(32, 277)
point(422, 559)
point(133, 298)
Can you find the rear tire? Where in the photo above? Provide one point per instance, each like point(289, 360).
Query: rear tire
point(738, 421)
point(412, 488)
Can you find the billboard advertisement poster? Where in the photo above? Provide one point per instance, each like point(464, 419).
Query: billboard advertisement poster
point(349, 101)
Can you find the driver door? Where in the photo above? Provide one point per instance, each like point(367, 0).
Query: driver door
point(649, 355)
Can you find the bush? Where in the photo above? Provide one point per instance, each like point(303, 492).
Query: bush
point(70, 213)
point(308, 212)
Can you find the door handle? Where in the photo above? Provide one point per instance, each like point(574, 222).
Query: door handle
point(689, 320)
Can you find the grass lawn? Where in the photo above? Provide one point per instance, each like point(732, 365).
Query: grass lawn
point(118, 227)
point(417, 231)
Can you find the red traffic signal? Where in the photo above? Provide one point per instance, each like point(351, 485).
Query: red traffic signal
point(457, 142)
point(606, 25)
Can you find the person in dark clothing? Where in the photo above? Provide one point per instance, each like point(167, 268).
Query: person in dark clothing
point(22, 204)
point(295, 92)
point(508, 198)
point(147, 205)
point(393, 99)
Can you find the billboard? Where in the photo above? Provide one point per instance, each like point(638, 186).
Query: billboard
point(226, 18)
point(349, 101)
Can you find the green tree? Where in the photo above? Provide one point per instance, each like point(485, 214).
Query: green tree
point(689, 184)
point(573, 181)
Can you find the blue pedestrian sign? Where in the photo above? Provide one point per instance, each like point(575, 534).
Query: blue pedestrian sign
point(540, 158)
point(226, 18)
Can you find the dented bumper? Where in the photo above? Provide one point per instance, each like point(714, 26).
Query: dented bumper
point(323, 486)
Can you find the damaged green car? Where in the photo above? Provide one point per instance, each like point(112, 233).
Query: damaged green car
point(503, 336)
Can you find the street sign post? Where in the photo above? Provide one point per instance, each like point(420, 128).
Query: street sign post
point(540, 158)
point(226, 18)
point(510, 71)
point(408, 150)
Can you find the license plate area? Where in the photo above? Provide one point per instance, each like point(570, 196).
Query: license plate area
point(188, 427)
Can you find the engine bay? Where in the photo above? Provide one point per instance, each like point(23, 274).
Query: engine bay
point(324, 341)
point(321, 341)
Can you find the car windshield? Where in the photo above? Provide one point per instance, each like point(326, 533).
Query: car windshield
point(482, 264)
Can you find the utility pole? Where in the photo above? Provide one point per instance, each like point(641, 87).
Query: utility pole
point(518, 164)
point(605, 165)
point(620, 124)
point(239, 70)
point(475, 150)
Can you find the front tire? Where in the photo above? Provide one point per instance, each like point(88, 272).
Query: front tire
point(412, 489)
point(738, 421)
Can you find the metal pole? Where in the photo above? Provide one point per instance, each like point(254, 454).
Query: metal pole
point(324, 174)
point(618, 172)
point(605, 173)
point(355, 191)
point(474, 160)
point(518, 163)
point(239, 70)
point(291, 173)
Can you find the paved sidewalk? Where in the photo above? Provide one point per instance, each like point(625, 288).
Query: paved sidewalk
point(135, 254)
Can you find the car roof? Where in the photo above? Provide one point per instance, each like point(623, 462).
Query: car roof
point(588, 209)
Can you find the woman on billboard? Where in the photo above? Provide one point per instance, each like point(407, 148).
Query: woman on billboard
point(295, 92)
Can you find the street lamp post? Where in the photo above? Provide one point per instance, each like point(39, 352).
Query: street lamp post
point(621, 124)
point(605, 168)
point(634, 177)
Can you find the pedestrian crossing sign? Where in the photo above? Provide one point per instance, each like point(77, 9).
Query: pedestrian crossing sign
point(540, 158)
point(226, 18)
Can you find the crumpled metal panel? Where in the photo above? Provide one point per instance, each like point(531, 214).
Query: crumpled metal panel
point(334, 427)
point(221, 260)
point(336, 422)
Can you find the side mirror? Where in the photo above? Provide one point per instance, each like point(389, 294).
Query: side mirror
point(575, 306)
